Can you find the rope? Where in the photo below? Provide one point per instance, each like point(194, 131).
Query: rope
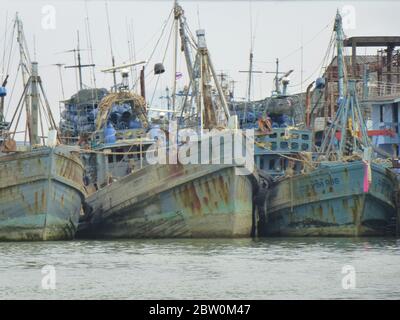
point(163, 59)
point(155, 47)
point(308, 42)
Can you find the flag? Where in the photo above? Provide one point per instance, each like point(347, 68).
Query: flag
point(178, 75)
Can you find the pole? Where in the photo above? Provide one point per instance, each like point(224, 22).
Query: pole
point(142, 84)
point(339, 41)
point(176, 17)
point(308, 104)
point(79, 65)
point(365, 82)
point(4, 84)
point(184, 39)
point(59, 65)
point(277, 90)
point(111, 48)
point(24, 64)
point(250, 77)
point(34, 105)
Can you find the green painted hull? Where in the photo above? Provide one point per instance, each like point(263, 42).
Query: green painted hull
point(173, 201)
point(330, 201)
point(41, 194)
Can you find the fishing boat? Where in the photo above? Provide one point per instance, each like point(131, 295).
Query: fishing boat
point(41, 185)
point(333, 200)
point(283, 144)
point(41, 193)
point(346, 191)
point(173, 199)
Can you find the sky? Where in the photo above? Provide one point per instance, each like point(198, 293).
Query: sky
point(277, 29)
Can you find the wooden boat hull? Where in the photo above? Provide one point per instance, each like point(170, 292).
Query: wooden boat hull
point(41, 194)
point(173, 201)
point(330, 201)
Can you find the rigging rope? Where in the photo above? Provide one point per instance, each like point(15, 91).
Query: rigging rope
point(155, 47)
point(163, 59)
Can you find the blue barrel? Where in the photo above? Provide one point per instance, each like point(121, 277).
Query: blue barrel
point(109, 134)
point(320, 83)
point(3, 91)
point(250, 117)
point(133, 124)
point(340, 101)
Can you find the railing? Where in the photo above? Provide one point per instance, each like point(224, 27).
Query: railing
point(382, 89)
point(284, 140)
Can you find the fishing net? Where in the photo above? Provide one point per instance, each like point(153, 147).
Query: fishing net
point(137, 103)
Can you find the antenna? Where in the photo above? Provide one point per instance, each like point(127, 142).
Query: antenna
point(250, 72)
point(177, 13)
point(5, 40)
point(278, 79)
point(34, 48)
point(198, 16)
point(111, 47)
point(301, 66)
point(79, 66)
point(89, 39)
point(59, 65)
point(131, 48)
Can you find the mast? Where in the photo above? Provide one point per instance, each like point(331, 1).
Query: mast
point(185, 40)
point(89, 41)
point(111, 47)
point(207, 73)
point(2, 95)
point(277, 89)
point(250, 71)
point(59, 65)
point(339, 43)
point(79, 66)
point(25, 65)
point(349, 121)
point(250, 76)
point(34, 105)
point(176, 26)
point(192, 68)
point(278, 79)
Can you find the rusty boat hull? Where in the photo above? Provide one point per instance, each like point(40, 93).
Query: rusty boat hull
point(41, 194)
point(173, 201)
point(332, 201)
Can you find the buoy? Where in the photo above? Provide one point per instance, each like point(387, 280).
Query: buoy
point(159, 68)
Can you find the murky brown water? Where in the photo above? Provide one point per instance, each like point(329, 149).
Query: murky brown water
point(202, 269)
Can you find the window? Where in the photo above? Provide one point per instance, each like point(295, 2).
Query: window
point(261, 163)
point(294, 146)
point(284, 145)
point(304, 146)
point(272, 164)
point(396, 116)
point(305, 136)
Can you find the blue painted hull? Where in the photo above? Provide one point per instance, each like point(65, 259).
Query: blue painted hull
point(41, 194)
point(330, 201)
